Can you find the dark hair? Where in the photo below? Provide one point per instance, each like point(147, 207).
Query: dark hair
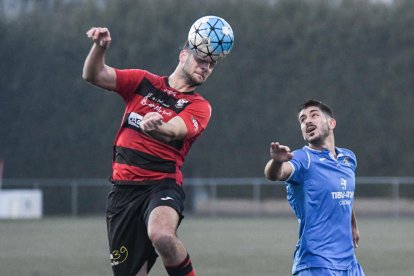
point(325, 108)
point(185, 46)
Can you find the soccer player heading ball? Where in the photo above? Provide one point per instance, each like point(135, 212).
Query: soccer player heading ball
point(163, 117)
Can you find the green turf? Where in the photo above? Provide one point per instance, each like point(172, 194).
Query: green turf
point(218, 246)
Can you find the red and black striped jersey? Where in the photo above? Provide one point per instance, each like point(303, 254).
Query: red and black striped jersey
point(138, 158)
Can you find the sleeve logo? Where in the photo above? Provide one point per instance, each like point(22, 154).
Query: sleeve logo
point(195, 123)
point(134, 119)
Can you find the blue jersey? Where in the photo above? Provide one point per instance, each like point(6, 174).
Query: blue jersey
point(320, 191)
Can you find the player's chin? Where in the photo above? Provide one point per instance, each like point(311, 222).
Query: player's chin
point(310, 139)
point(198, 80)
point(199, 76)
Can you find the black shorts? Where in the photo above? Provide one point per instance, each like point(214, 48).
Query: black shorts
point(128, 209)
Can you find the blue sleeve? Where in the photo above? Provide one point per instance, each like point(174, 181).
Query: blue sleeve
point(300, 163)
point(354, 159)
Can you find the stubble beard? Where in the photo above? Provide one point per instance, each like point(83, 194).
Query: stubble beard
point(318, 140)
point(190, 80)
point(188, 77)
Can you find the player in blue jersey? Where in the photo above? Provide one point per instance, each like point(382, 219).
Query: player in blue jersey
point(320, 184)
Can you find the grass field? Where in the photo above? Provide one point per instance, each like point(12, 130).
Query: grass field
point(218, 246)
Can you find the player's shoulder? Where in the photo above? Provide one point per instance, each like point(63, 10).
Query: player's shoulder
point(135, 75)
point(348, 156)
point(301, 154)
point(156, 80)
point(151, 75)
point(347, 152)
point(131, 71)
point(195, 99)
point(301, 151)
point(142, 73)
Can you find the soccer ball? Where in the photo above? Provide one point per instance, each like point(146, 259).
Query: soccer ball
point(211, 38)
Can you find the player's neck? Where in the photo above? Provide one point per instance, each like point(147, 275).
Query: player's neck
point(327, 144)
point(179, 85)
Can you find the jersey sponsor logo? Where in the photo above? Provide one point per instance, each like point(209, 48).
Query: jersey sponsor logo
point(134, 119)
point(343, 183)
point(147, 101)
point(345, 197)
point(155, 99)
point(342, 194)
point(160, 99)
point(322, 159)
point(118, 256)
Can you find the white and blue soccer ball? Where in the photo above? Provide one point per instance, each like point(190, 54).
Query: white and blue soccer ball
point(211, 38)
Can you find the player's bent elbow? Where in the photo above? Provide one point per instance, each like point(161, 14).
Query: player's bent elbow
point(87, 77)
point(97, 81)
point(275, 176)
point(270, 177)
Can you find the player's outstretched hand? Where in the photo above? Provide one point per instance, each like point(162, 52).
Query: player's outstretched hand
point(151, 121)
point(280, 153)
point(100, 36)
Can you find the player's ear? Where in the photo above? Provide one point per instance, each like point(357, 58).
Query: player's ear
point(184, 54)
point(332, 123)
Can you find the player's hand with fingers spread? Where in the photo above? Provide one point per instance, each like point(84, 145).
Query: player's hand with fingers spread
point(100, 35)
point(151, 121)
point(280, 153)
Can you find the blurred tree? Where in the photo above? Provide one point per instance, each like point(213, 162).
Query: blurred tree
point(354, 55)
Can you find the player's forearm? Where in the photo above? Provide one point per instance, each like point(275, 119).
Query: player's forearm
point(153, 125)
point(353, 219)
point(167, 132)
point(355, 231)
point(273, 170)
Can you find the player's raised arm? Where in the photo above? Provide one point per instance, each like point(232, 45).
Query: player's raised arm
point(277, 168)
point(95, 70)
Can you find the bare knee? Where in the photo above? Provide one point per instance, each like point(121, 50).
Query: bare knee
point(163, 241)
point(162, 227)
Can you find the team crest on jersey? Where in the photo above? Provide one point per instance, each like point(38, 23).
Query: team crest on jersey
point(346, 161)
point(180, 103)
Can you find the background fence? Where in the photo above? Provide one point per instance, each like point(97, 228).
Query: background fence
point(375, 196)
